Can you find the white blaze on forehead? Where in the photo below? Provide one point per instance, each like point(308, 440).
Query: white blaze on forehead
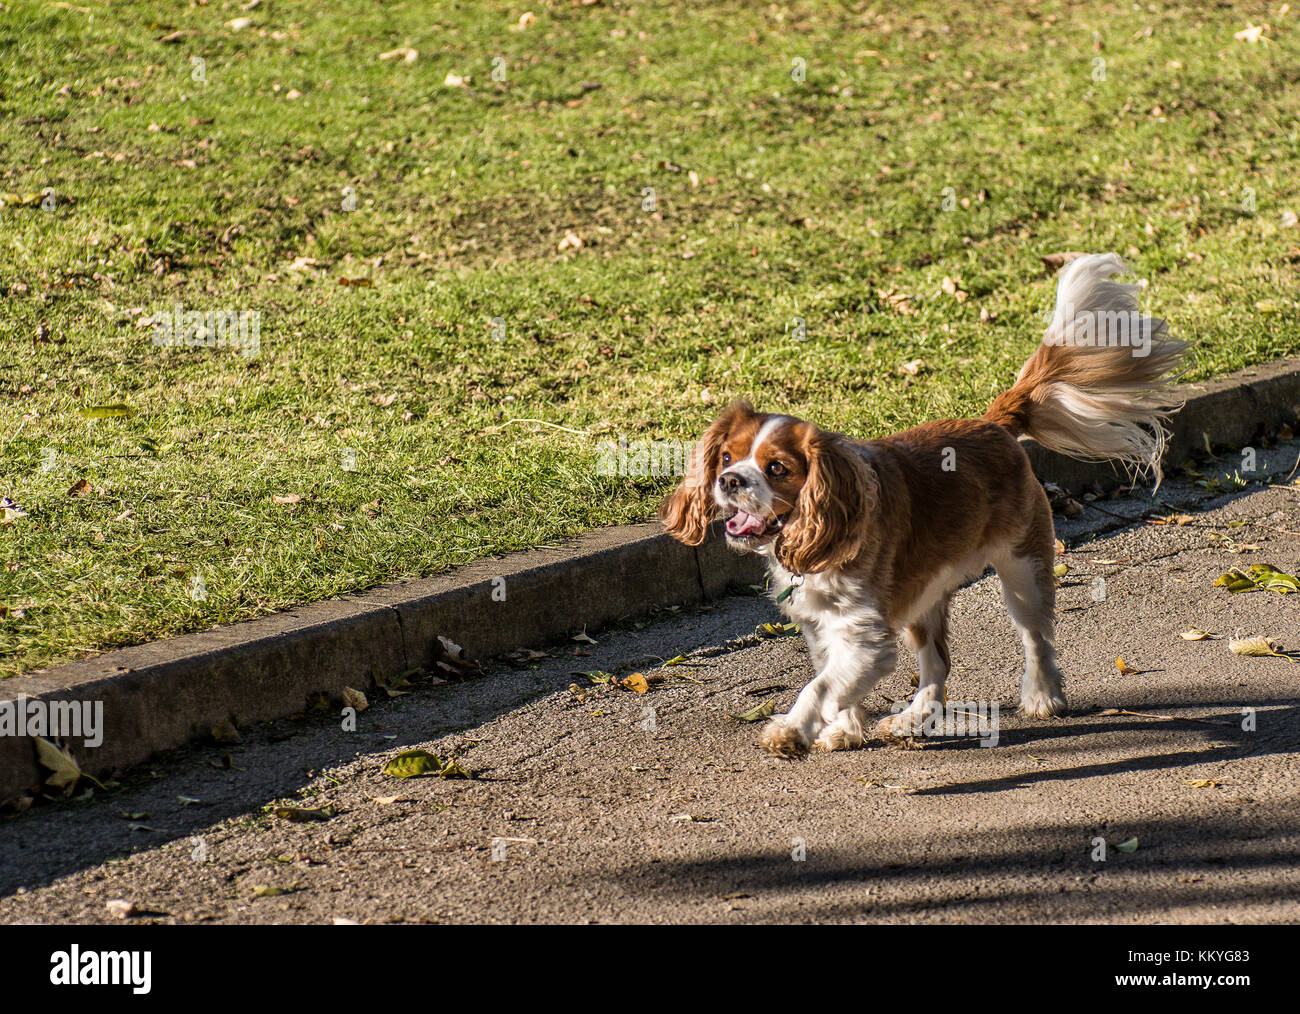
point(758, 495)
point(765, 433)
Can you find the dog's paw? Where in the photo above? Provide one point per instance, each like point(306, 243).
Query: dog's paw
point(1041, 695)
point(845, 733)
point(782, 740)
point(1042, 703)
point(834, 738)
point(898, 729)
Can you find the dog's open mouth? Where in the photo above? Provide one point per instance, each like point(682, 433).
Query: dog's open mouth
point(743, 525)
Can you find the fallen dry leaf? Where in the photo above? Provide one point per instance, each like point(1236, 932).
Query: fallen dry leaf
point(303, 815)
point(1057, 261)
point(419, 763)
point(758, 712)
point(64, 771)
point(404, 53)
point(1256, 647)
point(454, 660)
point(262, 891)
point(899, 302)
point(1061, 501)
point(10, 511)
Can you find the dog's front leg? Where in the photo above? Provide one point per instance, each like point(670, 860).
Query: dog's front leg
point(850, 655)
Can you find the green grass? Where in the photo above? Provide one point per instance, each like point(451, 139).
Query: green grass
point(821, 200)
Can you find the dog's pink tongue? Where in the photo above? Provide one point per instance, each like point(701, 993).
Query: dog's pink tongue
point(746, 524)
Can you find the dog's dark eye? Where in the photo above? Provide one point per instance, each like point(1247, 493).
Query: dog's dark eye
point(726, 458)
point(775, 469)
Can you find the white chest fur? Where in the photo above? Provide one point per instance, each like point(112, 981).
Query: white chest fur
point(818, 599)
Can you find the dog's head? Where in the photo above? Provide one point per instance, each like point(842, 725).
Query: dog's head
point(784, 487)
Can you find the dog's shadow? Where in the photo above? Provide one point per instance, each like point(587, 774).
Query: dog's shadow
point(1228, 742)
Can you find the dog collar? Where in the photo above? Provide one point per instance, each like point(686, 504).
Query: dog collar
point(795, 581)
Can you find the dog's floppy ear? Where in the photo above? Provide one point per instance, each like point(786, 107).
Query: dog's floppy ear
point(687, 513)
point(830, 522)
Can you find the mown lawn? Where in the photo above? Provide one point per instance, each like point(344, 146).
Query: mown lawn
point(896, 201)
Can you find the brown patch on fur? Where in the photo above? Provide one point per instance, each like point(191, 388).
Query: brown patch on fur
point(1010, 410)
point(739, 440)
point(932, 629)
point(837, 494)
point(930, 518)
point(1013, 408)
point(780, 451)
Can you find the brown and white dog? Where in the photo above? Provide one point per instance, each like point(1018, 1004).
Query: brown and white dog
point(875, 536)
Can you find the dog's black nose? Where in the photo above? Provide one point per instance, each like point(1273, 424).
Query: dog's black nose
point(731, 481)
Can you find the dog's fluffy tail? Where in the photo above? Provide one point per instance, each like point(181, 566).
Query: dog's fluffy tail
point(1098, 387)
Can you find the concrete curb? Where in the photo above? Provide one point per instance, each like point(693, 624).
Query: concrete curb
point(161, 695)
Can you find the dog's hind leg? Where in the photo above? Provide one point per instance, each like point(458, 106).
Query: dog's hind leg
point(1029, 589)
